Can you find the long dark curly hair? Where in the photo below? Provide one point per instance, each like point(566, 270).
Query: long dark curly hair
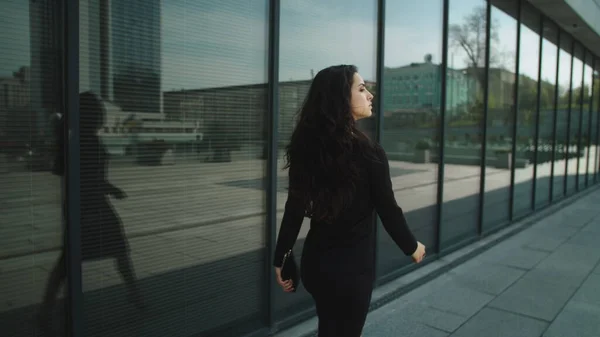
point(324, 146)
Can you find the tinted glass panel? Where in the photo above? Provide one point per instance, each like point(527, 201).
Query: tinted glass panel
point(32, 274)
point(465, 86)
point(561, 152)
point(576, 153)
point(411, 115)
point(172, 165)
point(547, 122)
point(500, 116)
point(586, 122)
point(527, 112)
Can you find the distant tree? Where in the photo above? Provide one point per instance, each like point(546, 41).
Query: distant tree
point(470, 36)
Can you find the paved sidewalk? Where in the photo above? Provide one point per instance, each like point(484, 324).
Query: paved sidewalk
point(544, 281)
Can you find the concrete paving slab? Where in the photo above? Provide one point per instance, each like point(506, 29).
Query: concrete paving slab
point(401, 327)
point(568, 265)
point(436, 318)
point(592, 226)
point(534, 298)
point(486, 278)
point(498, 323)
point(546, 244)
point(520, 258)
point(576, 319)
point(586, 238)
point(589, 292)
point(458, 299)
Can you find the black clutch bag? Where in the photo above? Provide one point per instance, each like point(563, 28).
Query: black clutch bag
point(289, 270)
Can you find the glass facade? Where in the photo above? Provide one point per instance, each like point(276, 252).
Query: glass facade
point(141, 156)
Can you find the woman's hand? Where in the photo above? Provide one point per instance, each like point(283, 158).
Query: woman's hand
point(288, 285)
point(419, 253)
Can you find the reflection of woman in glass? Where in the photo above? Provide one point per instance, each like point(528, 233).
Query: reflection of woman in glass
point(102, 234)
point(337, 177)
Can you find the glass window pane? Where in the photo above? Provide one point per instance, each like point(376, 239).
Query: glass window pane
point(500, 117)
point(562, 118)
point(173, 109)
point(596, 118)
point(315, 35)
point(586, 121)
point(410, 133)
point(547, 113)
point(527, 111)
point(32, 272)
point(575, 118)
point(463, 120)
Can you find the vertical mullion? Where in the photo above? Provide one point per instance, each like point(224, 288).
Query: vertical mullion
point(537, 114)
point(72, 172)
point(104, 53)
point(442, 125)
point(596, 171)
point(589, 123)
point(566, 179)
point(272, 119)
point(379, 100)
point(515, 115)
point(380, 67)
point(488, 15)
point(555, 118)
point(579, 126)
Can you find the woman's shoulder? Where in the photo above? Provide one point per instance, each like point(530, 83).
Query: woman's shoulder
point(373, 150)
point(371, 158)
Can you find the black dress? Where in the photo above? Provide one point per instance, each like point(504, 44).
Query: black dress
point(102, 233)
point(337, 266)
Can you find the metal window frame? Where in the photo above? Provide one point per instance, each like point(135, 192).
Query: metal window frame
point(380, 69)
point(379, 101)
point(580, 125)
point(596, 164)
point(488, 14)
point(515, 115)
point(568, 143)
point(537, 114)
point(72, 173)
point(272, 120)
point(589, 122)
point(442, 126)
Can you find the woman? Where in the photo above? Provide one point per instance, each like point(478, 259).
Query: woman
point(337, 177)
point(102, 234)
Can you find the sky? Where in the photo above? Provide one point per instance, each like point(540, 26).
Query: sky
point(219, 43)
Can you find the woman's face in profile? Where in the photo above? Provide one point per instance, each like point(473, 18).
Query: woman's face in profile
point(361, 103)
